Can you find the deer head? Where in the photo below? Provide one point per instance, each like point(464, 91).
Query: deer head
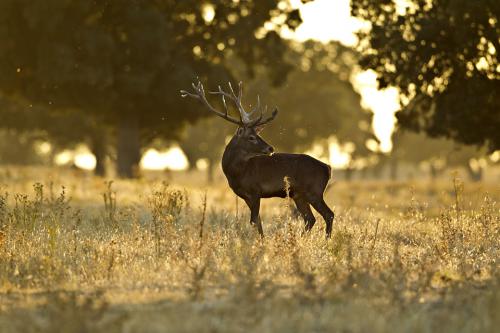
point(247, 137)
point(249, 142)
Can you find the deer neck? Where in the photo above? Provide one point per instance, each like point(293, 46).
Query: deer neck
point(234, 162)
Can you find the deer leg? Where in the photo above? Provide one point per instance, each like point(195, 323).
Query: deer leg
point(254, 205)
point(327, 214)
point(305, 211)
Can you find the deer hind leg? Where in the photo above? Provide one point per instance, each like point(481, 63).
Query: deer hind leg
point(305, 211)
point(254, 205)
point(321, 207)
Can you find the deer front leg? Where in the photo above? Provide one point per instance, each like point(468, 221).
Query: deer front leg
point(254, 205)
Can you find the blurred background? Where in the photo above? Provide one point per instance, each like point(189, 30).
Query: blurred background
point(380, 89)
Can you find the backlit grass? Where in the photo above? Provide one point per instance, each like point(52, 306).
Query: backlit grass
point(146, 256)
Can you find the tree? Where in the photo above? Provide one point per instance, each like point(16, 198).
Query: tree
point(472, 159)
point(443, 57)
point(438, 153)
point(123, 63)
point(18, 149)
point(62, 129)
point(318, 101)
point(206, 140)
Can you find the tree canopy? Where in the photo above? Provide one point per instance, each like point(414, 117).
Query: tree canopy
point(443, 57)
point(123, 62)
point(62, 128)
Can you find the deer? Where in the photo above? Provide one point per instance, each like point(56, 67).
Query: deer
point(253, 169)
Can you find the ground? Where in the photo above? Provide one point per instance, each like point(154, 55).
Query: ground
point(151, 256)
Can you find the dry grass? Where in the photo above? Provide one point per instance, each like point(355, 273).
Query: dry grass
point(147, 257)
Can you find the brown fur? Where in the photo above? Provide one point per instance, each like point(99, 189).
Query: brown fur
point(253, 172)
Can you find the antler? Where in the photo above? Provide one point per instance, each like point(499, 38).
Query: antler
point(199, 93)
point(245, 119)
point(259, 122)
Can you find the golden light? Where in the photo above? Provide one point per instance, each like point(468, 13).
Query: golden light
point(495, 156)
point(84, 159)
point(172, 159)
point(317, 151)
point(339, 156)
point(81, 157)
point(208, 12)
point(202, 164)
point(384, 104)
point(372, 145)
point(43, 147)
point(64, 158)
point(327, 20)
point(477, 164)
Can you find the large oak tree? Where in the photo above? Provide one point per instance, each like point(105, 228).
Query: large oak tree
point(122, 63)
point(443, 57)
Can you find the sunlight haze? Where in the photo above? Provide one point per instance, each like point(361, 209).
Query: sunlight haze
point(327, 20)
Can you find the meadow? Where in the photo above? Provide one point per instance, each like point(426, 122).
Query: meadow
point(82, 254)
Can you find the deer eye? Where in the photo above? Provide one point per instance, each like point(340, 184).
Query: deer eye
point(252, 138)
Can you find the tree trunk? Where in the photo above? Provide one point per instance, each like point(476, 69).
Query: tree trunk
point(394, 169)
point(378, 169)
point(348, 173)
point(364, 173)
point(98, 148)
point(128, 150)
point(475, 176)
point(210, 171)
point(434, 172)
point(190, 156)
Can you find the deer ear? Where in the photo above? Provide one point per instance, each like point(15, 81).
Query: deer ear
point(240, 131)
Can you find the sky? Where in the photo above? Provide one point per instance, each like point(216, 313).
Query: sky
point(327, 20)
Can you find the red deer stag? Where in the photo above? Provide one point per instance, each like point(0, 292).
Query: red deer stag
point(253, 171)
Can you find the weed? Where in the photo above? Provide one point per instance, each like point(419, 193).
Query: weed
point(166, 205)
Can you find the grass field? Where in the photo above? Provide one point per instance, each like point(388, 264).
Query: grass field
point(144, 256)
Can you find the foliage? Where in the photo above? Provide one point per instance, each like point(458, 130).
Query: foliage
point(439, 154)
point(443, 57)
point(205, 140)
point(122, 64)
point(19, 149)
point(63, 129)
point(318, 100)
